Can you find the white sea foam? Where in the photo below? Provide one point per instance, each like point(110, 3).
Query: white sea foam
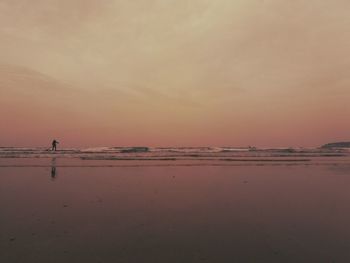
point(168, 152)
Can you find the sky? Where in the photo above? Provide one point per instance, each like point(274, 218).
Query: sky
point(264, 73)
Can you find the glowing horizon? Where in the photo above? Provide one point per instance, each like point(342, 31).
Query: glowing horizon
point(174, 73)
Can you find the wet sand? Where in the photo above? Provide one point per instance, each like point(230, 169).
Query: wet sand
point(80, 211)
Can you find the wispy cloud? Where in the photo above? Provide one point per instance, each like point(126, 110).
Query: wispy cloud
point(186, 65)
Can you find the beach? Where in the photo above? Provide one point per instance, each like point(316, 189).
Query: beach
point(174, 131)
point(232, 206)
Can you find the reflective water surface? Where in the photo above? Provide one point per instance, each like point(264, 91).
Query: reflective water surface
point(255, 213)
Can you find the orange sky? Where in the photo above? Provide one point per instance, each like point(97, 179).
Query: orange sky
point(174, 72)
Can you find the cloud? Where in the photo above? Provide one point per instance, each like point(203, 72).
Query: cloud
point(201, 63)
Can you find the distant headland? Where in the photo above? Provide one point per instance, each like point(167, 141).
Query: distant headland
point(337, 145)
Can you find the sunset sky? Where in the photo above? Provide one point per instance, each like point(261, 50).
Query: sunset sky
point(174, 72)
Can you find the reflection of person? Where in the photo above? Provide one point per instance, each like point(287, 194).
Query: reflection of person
point(53, 168)
point(53, 172)
point(54, 145)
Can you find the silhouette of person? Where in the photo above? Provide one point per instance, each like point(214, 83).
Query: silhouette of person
point(54, 145)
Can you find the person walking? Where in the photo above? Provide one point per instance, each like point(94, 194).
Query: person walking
point(54, 145)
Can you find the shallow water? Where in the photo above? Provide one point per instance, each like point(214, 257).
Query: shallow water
point(58, 212)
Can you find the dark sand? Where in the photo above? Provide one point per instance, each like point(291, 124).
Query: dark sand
point(256, 213)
